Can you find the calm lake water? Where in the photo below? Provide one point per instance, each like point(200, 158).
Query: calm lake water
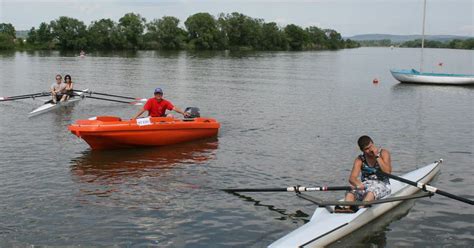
point(287, 118)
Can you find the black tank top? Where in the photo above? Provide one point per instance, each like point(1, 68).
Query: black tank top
point(371, 176)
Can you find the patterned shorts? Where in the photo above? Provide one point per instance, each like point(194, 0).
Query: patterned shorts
point(378, 188)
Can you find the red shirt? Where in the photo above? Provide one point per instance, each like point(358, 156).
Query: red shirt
point(157, 109)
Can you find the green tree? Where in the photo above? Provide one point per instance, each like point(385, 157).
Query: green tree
point(273, 38)
point(455, 44)
point(335, 40)
point(351, 44)
point(7, 36)
point(241, 30)
point(469, 44)
point(70, 33)
point(317, 38)
point(203, 33)
point(6, 42)
point(104, 35)
point(8, 29)
point(166, 33)
point(296, 36)
point(41, 38)
point(132, 26)
point(44, 33)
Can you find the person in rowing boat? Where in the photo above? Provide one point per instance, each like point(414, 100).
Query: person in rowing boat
point(58, 89)
point(69, 90)
point(157, 106)
point(370, 186)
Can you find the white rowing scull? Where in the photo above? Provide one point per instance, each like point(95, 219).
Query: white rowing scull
point(51, 106)
point(326, 227)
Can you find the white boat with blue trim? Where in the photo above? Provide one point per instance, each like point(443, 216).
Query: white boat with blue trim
point(415, 77)
point(420, 77)
point(326, 226)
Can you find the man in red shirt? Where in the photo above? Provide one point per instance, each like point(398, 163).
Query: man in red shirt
point(157, 106)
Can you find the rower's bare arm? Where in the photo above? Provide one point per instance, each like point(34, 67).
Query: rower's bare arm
point(354, 177)
point(385, 161)
point(179, 111)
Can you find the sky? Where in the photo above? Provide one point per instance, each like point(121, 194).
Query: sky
point(348, 17)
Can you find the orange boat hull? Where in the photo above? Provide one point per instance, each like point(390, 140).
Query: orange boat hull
point(108, 132)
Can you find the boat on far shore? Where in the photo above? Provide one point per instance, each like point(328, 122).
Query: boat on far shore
point(415, 77)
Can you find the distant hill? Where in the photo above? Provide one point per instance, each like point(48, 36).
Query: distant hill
point(403, 38)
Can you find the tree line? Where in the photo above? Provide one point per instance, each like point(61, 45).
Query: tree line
point(201, 31)
point(452, 44)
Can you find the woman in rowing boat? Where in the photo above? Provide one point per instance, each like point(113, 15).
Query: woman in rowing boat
point(371, 186)
point(69, 88)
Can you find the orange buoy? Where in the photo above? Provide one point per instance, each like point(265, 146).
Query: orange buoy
point(375, 81)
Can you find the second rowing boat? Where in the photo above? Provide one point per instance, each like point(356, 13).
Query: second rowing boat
point(326, 227)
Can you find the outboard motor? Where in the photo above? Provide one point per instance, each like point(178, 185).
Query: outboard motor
point(193, 112)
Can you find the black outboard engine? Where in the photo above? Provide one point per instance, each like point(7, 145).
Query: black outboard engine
point(193, 112)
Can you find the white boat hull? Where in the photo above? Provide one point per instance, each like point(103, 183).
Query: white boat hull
point(50, 106)
point(415, 77)
point(325, 227)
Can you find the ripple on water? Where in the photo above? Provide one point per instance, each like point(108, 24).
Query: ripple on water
point(287, 118)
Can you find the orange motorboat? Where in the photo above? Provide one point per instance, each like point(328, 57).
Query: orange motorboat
point(109, 132)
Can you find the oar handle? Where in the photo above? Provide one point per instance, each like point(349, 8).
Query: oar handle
point(426, 187)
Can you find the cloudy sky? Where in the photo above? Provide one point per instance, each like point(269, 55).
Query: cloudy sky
point(349, 17)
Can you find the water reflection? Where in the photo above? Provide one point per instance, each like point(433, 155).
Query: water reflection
point(409, 87)
point(7, 53)
point(115, 166)
point(148, 179)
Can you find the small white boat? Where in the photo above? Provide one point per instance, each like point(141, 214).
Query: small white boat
point(420, 77)
point(415, 77)
point(326, 227)
point(51, 106)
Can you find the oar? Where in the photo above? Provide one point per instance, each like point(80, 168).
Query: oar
point(118, 96)
point(19, 97)
point(423, 186)
point(111, 100)
point(290, 189)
